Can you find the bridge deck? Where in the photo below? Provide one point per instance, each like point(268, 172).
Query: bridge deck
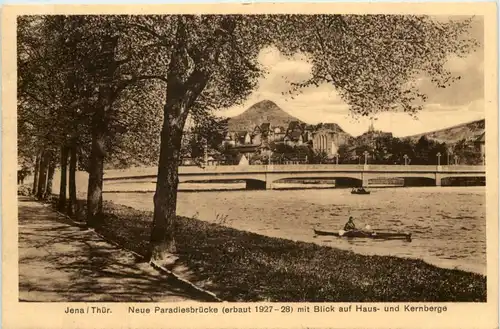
point(296, 169)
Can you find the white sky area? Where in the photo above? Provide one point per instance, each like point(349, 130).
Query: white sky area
point(460, 103)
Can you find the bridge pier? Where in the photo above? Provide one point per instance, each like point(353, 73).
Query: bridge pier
point(438, 177)
point(365, 181)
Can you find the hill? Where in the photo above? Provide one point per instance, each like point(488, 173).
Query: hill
point(261, 112)
point(453, 134)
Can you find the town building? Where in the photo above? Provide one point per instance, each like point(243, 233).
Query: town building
point(480, 144)
point(294, 138)
point(322, 137)
point(328, 138)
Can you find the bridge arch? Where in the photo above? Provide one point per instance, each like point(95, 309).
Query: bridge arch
point(404, 180)
point(341, 179)
point(221, 177)
point(250, 183)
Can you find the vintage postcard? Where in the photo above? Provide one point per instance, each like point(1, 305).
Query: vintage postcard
point(250, 166)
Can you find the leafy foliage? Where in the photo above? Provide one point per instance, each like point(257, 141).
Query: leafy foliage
point(392, 150)
point(373, 60)
point(208, 130)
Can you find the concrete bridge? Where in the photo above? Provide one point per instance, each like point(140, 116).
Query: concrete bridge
point(263, 176)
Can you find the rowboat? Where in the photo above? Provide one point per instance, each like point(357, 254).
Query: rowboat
point(369, 235)
point(360, 192)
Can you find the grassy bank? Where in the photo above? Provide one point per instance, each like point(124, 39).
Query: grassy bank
point(242, 266)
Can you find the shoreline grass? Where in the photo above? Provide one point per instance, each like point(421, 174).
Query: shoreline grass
point(248, 267)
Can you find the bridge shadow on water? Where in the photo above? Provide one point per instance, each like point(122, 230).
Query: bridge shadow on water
point(308, 184)
point(229, 190)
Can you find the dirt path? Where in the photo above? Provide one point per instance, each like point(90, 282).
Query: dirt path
point(61, 262)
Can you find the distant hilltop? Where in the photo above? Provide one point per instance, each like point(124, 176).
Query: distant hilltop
point(451, 135)
point(266, 112)
point(262, 112)
point(269, 113)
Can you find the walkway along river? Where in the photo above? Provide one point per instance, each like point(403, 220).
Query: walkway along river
point(448, 223)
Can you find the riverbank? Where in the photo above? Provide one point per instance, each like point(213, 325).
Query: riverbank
point(242, 266)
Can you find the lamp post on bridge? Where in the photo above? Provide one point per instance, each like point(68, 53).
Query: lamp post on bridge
point(406, 159)
point(336, 158)
point(205, 151)
point(484, 159)
point(455, 157)
point(366, 157)
point(439, 158)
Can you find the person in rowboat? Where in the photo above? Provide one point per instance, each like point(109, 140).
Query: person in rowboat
point(349, 226)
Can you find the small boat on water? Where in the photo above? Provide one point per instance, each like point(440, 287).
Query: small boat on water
point(369, 235)
point(359, 191)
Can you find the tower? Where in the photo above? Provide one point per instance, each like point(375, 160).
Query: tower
point(371, 129)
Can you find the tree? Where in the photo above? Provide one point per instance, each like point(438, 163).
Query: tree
point(108, 59)
point(422, 150)
point(382, 151)
point(319, 157)
point(71, 78)
point(344, 153)
point(40, 98)
point(208, 130)
point(436, 148)
point(466, 153)
point(134, 132)
point(400, 148)
point(211, 63)
point(373, 60)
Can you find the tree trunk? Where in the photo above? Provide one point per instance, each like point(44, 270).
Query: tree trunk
point(183, 88)
point(42, 175)
point(107, 95)
point(50, 178)
point(96, 168)
point(162, 247)
point(62, 187)
point(72, 181)
point(35, 178)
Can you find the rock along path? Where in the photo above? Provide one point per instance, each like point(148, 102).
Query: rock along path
point(60, 262)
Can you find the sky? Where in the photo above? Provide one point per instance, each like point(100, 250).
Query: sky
point(460, 103)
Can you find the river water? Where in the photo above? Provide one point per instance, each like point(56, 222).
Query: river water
point(448, 224)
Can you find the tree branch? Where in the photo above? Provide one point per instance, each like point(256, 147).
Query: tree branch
point(148, 30)
point(125, 83)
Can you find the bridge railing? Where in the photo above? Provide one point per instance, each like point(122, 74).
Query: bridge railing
point(329, 167)
point(463, 168)
point(186, 170)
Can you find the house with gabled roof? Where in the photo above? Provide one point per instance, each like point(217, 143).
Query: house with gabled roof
point(265, 127)
point(293, 126)
point(294, 138)
point(243, 138)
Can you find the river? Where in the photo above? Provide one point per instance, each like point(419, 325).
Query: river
point(448, 223)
